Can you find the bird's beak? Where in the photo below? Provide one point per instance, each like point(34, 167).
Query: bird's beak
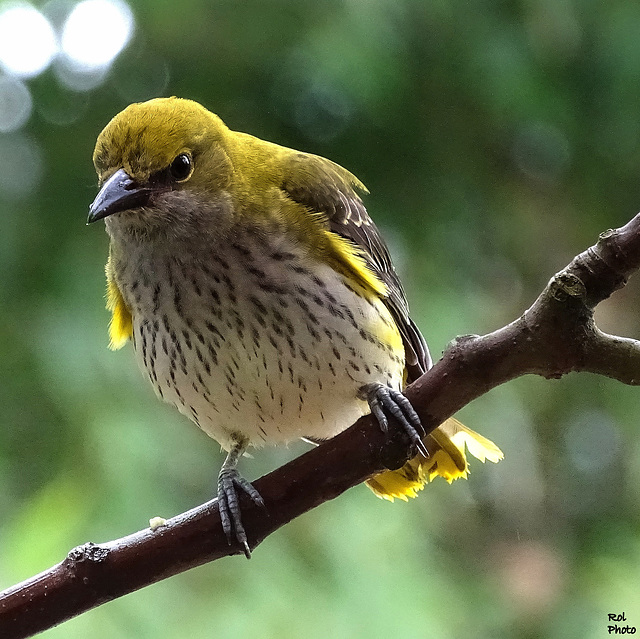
point(119, 193)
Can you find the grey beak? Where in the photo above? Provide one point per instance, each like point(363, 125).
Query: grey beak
point(119, 193)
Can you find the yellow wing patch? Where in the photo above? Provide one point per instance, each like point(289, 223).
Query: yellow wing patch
point(346, 258)
point(310, 228)
point(447, 459)
point(121, 324)
point(364, 281)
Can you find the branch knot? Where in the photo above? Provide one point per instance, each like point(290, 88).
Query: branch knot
point(88, 552)
point(565, 284)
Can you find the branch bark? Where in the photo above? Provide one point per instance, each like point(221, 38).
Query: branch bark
point(555, 336)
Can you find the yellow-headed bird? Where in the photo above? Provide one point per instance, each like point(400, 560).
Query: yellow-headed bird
point(259, 296)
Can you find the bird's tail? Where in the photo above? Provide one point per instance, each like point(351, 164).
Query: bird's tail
point(447, 458)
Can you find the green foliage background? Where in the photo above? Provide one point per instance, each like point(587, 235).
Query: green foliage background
point(497, 139)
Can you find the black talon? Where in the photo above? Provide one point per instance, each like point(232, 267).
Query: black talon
point(384, 400)
point(229, 481)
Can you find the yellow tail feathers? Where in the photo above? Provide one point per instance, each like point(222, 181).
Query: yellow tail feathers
point(447, 458)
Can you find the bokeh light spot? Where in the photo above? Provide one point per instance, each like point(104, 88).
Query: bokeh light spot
point(62, 107)
point(95, 32)
point(27, 40)
point(77, 78)
point(541, 151)
point(15, 104)
point(21, 166)
point(593, 442)
point(322, 112)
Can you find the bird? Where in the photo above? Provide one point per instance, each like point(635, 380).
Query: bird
point(259, 295)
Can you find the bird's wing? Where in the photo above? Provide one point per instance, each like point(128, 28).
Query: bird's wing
point(327, 188)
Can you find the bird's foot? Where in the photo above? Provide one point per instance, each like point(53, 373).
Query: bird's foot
point(385, 401)
point(229, 481)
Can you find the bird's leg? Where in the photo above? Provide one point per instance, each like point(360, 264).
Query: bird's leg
point(229, 480)
point(385, 401)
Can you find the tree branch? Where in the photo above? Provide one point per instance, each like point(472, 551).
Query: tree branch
point(556, 335)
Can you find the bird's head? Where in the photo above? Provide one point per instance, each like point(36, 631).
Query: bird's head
point(156, 160)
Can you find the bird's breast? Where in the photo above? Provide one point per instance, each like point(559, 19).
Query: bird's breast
point(255, 338)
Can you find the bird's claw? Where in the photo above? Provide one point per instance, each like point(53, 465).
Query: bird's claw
point(384, 401)
point(229, 480)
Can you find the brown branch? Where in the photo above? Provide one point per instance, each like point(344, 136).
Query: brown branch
point(556, 335)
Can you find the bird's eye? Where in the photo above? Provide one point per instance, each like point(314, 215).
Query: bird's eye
point(181, 168)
